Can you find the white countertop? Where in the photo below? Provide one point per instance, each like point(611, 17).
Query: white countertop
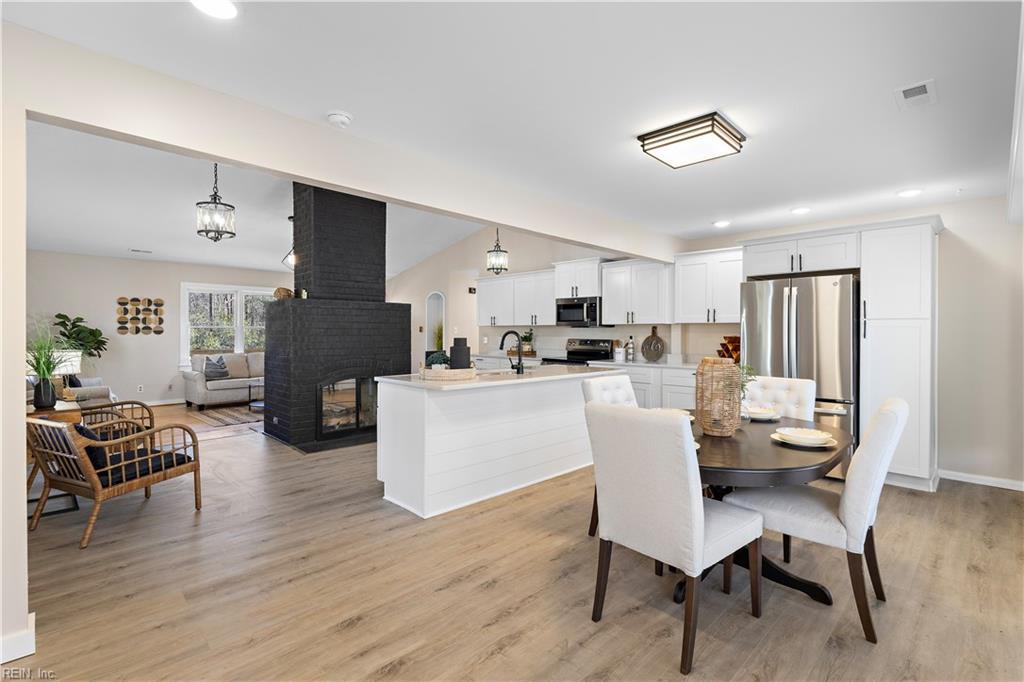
point(499, 377)
point(644, 363)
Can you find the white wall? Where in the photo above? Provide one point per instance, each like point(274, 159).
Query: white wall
point(130, 360)
point(981, 322)
point(57, 82)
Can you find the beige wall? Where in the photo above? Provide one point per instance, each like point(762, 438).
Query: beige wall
point(980, 361)
point(130, 360)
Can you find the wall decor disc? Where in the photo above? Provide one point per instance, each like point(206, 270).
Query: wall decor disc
point(122, 330)
point(159, 320)
point(158, 330)
point(122, 310)
point(147, 329)
point(134, 330)
point(135, 319)
point(147, 302)
point(122, 319)
point(123, 300)
point(158, 302)
point(135, 300)
point(147, 311)
point(136, 310)
point(158, 310)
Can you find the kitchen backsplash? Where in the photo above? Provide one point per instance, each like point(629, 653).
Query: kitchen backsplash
point(687, 342)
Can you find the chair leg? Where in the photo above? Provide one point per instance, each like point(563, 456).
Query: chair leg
point(872, 560)
point(727, 574)
point(87, 535)
point(690, 622)
point(659, 568)
point(754, 554)
point(149, 491)
point(786, 541)
point(38, 513)
point(604, 560)
point(32, 474)
point(198, 488)
point(593, 516)
point(860, 594)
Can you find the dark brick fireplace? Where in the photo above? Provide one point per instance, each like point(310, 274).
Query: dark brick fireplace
point(318, 348)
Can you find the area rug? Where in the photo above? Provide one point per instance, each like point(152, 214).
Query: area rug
point(228, 416)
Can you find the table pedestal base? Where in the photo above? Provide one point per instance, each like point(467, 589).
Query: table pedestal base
point(769, 571)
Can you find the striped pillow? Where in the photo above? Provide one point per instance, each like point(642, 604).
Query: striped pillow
point(215, 369)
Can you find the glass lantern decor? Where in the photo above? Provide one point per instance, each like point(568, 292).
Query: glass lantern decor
point(497, 257)
point(718, 396)
point(215, 219)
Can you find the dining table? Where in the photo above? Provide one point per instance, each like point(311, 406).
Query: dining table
point(750, 458)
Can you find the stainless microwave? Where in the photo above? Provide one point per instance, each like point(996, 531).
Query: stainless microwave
point(578, 312)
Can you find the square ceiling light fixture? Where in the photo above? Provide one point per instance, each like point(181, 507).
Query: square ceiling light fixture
point(703, 138)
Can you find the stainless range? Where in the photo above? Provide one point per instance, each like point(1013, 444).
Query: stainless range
point(582, 351)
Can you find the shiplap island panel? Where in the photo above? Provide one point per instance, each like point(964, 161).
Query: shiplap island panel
point(446, 445)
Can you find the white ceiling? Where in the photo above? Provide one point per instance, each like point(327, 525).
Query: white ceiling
point(97, 196)
point(553, 95)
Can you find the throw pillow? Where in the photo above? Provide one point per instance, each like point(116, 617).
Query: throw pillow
point(96, 454)
point(74, 381)
point(215, 369)
point(237, 366)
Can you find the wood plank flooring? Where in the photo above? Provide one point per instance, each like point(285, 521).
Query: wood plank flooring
point(296, 569)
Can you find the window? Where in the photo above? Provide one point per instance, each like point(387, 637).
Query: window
point(222, 318)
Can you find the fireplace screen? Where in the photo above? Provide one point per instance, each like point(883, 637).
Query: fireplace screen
point(346, 406)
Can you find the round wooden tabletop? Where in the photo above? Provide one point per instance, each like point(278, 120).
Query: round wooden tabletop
point(750, 458)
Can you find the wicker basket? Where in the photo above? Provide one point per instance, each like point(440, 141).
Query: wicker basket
point(718, 396)
point(431, 374)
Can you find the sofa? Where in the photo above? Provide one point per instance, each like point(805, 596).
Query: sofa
point(244, 369)
point(92, 393)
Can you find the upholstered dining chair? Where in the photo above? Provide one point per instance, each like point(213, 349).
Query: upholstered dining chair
point(611, 390)
point(847, 520)
point(792, 398)
point(651, 502)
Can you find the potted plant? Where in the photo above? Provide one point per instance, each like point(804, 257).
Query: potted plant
point(44, 355)
point(528, 341)
point(89, 340)
point(439, 337)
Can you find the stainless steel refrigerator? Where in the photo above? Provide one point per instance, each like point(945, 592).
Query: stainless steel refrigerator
point(806, 328)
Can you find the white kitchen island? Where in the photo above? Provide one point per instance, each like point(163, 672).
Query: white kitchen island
point(444, 445)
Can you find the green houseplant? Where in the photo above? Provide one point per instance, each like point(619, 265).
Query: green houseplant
point(439, 337)
point(43, 357)
point(89, 340)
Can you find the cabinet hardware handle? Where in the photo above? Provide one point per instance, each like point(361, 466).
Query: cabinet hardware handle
point(708, 316)
point(714, 314)
point(791, 262)
point(801, 262)
point(864, 320)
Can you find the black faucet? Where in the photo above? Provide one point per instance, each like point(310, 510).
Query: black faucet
point(517, 366)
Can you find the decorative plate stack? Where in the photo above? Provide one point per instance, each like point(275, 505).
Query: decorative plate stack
point(804, 438)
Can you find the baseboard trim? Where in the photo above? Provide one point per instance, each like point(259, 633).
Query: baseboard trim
point(19, 644)
point(172, 401)
point(1007, 483)
point(928, 485)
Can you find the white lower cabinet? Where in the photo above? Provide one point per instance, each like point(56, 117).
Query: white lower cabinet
point(644, 395)
point(663, 387)
point(679, 397)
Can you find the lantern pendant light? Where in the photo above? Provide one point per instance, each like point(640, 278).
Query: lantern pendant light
point(289, 258)
point(215, 220)
point(497, 258)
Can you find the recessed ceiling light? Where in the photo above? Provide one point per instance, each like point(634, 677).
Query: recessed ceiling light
point(800, 211)
point(909, 193)
point(339, 119)
point(721, 223)
point(703, 138)
point(218, 9)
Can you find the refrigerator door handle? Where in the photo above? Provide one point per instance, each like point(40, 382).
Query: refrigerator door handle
point(792, 346)
point(838, 411)
point(785, 332)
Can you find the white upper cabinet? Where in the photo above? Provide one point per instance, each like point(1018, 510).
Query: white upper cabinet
point(494, 302)
point(831, 252)
point(578, 278)
point(636, 292)
point(896, 273)
point(812, 254)
point(707, 286)
point(524, 299)
point(776, 258)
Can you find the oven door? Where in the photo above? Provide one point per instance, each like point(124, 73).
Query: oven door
point(575, 312)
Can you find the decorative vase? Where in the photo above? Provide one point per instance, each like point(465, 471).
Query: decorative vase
point(44, 396)
point(459, 353)
point(718, 396)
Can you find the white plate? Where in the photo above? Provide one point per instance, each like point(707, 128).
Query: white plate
point(830, 443)
point(766, 417)
point(801, 436)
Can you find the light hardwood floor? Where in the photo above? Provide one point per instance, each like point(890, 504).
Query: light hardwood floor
point(296, 569)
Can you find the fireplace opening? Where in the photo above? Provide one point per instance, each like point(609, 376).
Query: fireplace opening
point(346, 406)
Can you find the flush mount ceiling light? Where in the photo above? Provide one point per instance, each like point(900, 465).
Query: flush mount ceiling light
point(218, 9)
point(289, 258)
point(802, 210)
point(497, 257)
point(721, 223)
point(909, 193)
point(703, 138)
point(215, 220)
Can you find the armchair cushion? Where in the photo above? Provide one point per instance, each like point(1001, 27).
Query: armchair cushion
point(145, 464)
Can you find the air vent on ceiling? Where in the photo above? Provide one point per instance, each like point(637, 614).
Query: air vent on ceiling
point(917, 95)
point(139, 251)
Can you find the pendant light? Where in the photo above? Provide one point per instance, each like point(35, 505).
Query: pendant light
point(289, 258)
point(215, 220)
point(497, 258)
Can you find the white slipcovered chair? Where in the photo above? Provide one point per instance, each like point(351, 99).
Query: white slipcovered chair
point(843, 521)
point(611, 390)
point(788, 397)
point(651, 502)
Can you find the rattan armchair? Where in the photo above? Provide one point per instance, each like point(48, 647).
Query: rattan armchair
point(122, 409)
point(126, 457)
